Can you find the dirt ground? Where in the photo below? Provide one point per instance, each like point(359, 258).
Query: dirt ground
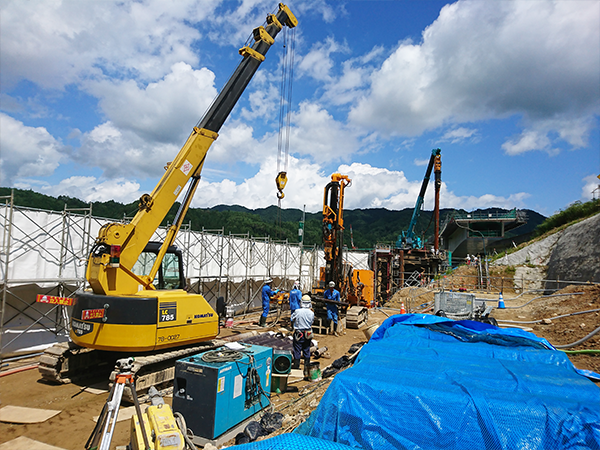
point(71, 428)
point(528, 312)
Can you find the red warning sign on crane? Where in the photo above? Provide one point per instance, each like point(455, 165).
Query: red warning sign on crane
point(53, 300)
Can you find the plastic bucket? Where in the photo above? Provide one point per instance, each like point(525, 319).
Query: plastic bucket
point(370, 330)
point(315, 371)
point(229, 323)
point(279, 383)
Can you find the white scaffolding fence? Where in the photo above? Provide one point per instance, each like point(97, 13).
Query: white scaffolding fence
point(45, 252)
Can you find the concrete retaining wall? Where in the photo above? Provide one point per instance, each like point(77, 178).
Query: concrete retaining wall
point(576, 256)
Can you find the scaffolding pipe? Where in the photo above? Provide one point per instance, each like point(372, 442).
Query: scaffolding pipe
point(6, 249)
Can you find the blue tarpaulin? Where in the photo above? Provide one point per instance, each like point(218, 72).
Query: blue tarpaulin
point(291, 441)
point(426, 382)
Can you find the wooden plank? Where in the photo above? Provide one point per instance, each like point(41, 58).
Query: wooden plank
point(21, 414)
point(24, 443)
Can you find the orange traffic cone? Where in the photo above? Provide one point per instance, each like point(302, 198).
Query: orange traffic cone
point(402, 310)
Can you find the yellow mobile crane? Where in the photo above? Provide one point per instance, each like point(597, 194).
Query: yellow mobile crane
point(137, 301)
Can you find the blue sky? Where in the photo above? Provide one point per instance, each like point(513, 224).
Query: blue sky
point(96, 97)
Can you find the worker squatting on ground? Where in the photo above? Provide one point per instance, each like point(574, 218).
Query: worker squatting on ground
point(267, 293)
point(302, 320)
point(295, 296)
point(332, 310)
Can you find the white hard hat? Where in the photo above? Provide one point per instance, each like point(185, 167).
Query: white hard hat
point(305, 302)
point(297, 284)
point(268, 280)
point(332, 284)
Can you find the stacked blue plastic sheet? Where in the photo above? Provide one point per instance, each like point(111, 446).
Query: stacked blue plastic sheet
point(426, 382)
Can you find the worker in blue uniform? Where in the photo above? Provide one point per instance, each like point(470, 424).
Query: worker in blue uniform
point(267, 293)
point(295, 297)
point(332, 309)
point(302, 320)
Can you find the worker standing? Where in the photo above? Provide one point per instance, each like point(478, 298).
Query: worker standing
point(302, 320)
point(267, 293)
point(295, 297)
point(332, 309)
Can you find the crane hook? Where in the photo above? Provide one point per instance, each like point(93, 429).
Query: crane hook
point(280, 181)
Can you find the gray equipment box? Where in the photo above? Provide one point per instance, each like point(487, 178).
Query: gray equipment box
point(454, 303)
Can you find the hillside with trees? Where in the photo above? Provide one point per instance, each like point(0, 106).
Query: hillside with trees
point(369, 226)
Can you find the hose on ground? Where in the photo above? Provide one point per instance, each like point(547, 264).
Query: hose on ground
point(180, 421)
point(258, 327)
point(580, 341)
point(581, 352)
point(542, 296)
point(551, 318)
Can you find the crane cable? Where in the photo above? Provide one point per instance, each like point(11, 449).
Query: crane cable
point(285, 108)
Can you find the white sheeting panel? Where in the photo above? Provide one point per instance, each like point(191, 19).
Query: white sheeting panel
point(46, 245)
point(236, 256)
point(259, 259)
point(359, 260)
point(34, 251)
point(207, 254)
point(37, 242)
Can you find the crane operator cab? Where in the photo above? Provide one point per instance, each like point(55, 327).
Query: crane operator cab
point(163, 315)
point(170, 274)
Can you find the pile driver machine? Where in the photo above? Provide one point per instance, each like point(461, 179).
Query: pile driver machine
point(410, 262)
point(355, 285)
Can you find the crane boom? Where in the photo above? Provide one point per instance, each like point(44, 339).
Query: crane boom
point(153, 208)
point(408, 237)
point(129, 309)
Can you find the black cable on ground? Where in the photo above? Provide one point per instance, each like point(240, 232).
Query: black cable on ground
point(217, 356)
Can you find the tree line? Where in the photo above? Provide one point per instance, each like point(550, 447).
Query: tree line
point(364, 228)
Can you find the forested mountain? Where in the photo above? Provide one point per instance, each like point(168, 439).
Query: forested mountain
point(369, 226)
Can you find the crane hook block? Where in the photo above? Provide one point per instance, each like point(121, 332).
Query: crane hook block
point(280, 181)
point(146, 202)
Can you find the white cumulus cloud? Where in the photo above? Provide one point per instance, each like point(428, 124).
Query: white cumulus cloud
point(163, 111)
point(537, 59)
point(26, 151)
point(58, 43)
point(92, 189)
point(591, 188)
